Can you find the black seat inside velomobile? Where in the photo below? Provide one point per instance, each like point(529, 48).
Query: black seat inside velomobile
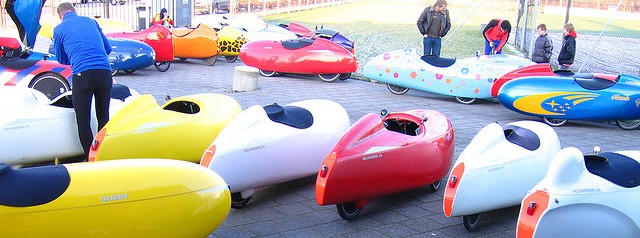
point(522, 137)
point(32, 186)
point(326, 33)
point(438, 61)
point(564, 73)
point(65, 102)
point(294, 44)
point(118, 91)
point(616, 168)
point(292, 116)
point(10, 47)
point(589, 81)
point(406, 127)
point(183, 107)
point(17, 63)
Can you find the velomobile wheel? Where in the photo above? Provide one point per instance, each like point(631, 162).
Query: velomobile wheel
point(129, 71)
point(397, 90)
point(210, 61)
point(435, 186)
point(231, 59)
point(471, 222)
point(628, 124)
point(162, 66)
point(344, 76)
point(464, 100)
point(328, 77)
point(267, 73)
point(182, 59)
point(51, 84)
point(554, 122)
point(114, 72)
point(348, 211)
point(237, 201)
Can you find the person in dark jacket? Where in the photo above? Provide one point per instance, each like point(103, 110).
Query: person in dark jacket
point(78, 41)
point(543, 48)
point(433, 24)
point(496, 34)
point(568, 50)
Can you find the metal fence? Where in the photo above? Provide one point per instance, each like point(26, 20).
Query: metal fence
point(608, 35)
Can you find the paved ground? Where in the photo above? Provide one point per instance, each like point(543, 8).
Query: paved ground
point(290, 209)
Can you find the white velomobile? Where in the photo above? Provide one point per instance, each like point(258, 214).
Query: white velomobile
point(466, 79)
point(264, 146)
point(585, 196)
point(497, 169)
point(34, 129)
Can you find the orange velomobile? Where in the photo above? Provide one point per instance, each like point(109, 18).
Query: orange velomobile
point(196, 43)
point(385, 154)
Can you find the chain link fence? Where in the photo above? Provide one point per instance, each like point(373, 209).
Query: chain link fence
point(608, 34)
point(129, 10)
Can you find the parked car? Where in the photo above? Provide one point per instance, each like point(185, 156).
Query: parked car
point(218, 5)
point(202, 6)
point(211, 6)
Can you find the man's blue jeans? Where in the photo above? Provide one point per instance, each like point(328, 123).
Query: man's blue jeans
point(432, 45)
point(487, 48)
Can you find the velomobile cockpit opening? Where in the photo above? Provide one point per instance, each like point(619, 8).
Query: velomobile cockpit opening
point(403, 126)
point(183, 107)
point(293, 116)
point(522, 137)
point(63, 101)
point(437, 61)
point(594, 82)
point(32, 186)
point(295, 44)
point(616, 168)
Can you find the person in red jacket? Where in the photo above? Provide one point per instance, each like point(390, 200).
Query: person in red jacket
point(162, 18)
point(496, 34)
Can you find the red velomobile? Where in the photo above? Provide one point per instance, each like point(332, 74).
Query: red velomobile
point(159, 38)
point(318, 56)
point(385, 154)
point(531, 70)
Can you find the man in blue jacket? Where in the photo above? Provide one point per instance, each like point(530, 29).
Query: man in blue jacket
point(79, 42)
point(433, 24)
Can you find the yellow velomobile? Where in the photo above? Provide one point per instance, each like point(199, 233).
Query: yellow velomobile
point(132, 198)
point(182, 128)
point(230, 40)
point(196, 43)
